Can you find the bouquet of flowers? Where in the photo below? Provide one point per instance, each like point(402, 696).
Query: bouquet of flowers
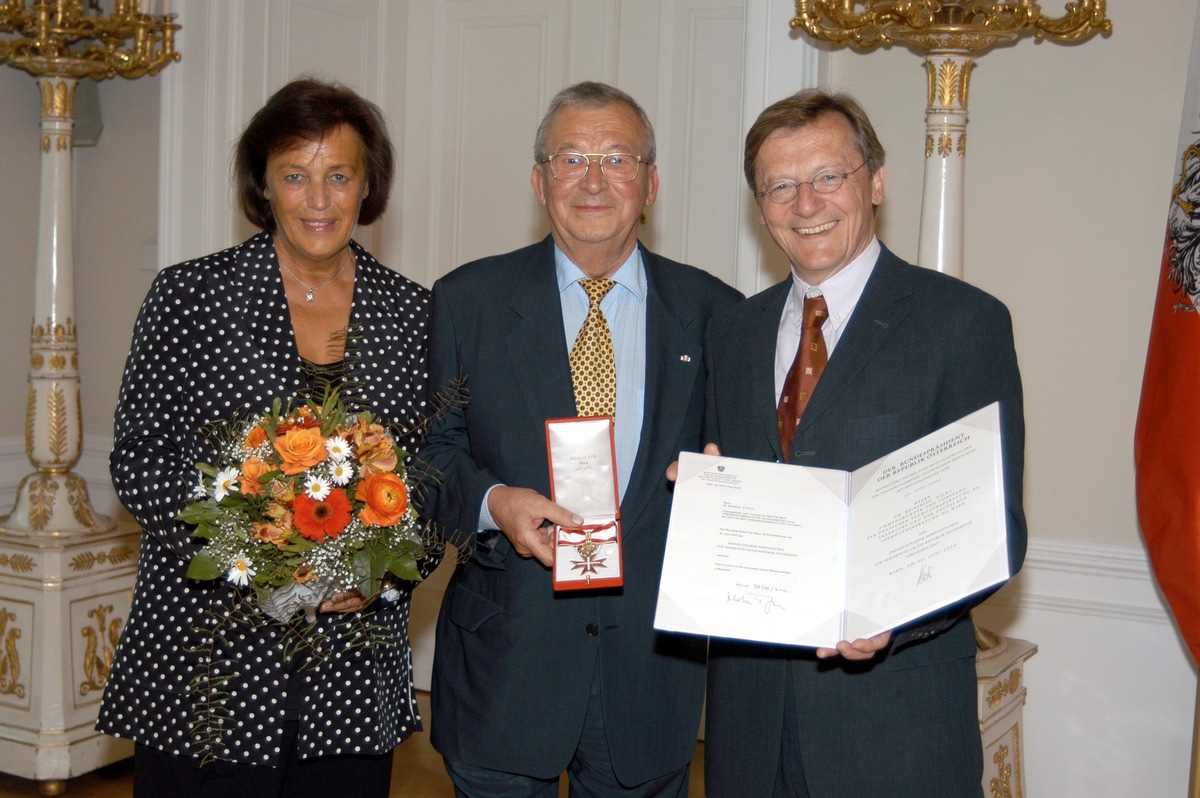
point(302, 503)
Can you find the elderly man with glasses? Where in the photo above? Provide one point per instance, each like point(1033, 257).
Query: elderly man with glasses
point(529, 682)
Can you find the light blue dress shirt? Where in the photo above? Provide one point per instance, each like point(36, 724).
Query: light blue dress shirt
point(624, 308)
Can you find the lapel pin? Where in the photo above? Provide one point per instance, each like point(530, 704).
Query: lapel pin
point(686, 358)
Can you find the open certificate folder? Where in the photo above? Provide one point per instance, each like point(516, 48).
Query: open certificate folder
point(806, 556)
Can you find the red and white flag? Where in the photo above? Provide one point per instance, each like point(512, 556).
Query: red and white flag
point(1166, 443)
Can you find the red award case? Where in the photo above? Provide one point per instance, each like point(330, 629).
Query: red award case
point(583, 479)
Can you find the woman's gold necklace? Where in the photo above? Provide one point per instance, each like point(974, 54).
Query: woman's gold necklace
point(308, 292)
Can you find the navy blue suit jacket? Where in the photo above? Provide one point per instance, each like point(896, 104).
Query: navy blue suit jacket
point(921, 350)
point(514, 662)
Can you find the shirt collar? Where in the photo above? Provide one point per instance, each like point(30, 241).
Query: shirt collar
point(842, 290)
point(631, 275)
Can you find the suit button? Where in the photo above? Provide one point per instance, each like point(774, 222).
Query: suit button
point(593, 629)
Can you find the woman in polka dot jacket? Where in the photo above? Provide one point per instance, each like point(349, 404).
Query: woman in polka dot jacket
point(291, 309)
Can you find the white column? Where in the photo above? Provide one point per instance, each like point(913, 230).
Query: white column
point(941, 241)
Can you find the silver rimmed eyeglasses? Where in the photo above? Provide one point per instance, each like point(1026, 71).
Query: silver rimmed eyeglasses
point(782, 191)
point(618, 167)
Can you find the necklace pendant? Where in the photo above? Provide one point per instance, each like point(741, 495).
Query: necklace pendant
point(308, 295)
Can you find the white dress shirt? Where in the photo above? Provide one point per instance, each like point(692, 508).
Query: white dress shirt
point(841, 292)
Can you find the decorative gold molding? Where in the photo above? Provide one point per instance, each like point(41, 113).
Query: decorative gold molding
point(1001, 785)
point(1004, 687)
point(17, 563)
point(947, 82)
point(10, 658)
point(58, 98)
point(59, 438)
point(77, 495)
point(117, 555)
point(51, 333)
point(100, 645)
point(30, 408)
point(43, 491)
point(945, 145)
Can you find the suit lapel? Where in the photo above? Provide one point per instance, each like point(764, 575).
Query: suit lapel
point(267, 309)
point(536, 343)
point(880, 310)
point(673, 360)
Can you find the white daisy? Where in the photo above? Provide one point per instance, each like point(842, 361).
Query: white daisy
point(240, 572)
point(341, 472)
point(317, 487)
point(338, 448)
point(225, 483)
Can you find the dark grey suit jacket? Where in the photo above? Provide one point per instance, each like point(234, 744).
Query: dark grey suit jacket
point(514, 662)
point(921, 350)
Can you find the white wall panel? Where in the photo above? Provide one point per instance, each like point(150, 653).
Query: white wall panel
point(701, 136)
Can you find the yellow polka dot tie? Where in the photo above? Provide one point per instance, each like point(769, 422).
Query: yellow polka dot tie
point(593, 369)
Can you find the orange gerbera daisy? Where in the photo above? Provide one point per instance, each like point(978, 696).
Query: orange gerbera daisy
point(319, 520)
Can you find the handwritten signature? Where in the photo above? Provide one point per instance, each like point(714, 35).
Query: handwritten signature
point(767, 603)
point(926, 574)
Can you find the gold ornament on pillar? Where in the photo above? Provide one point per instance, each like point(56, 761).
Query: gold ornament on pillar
point(60, 42)
point(950, 36)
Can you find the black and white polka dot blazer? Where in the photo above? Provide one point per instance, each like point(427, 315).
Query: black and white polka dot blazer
point(214, 340)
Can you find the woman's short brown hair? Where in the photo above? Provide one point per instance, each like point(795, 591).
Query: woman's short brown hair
point(306, 110)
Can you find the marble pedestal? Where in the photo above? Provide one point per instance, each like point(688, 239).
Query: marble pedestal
point(64, 598)
point(1000, 670)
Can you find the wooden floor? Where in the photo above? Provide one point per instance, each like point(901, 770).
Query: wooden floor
point(418, 773)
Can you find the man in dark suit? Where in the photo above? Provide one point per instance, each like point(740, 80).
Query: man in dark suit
point(904, 351)
point(528, 682)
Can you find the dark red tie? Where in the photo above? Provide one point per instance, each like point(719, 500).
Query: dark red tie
point(807, 366)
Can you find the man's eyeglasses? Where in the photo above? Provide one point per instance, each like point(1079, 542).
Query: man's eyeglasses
point(617, 167)
point(782, 191)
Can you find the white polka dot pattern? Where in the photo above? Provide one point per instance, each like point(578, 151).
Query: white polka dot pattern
point(214, 340)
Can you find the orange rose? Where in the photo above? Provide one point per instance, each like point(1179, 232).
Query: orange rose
point(300, 449)
point(252, 469)
point(256, 438)
point(386, 498)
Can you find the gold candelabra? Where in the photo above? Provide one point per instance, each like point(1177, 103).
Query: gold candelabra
point(950, 36)
point(65, 38)
point(60, 42)
point(931, 25)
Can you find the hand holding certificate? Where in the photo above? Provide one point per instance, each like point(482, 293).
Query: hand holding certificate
point(805, 556)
